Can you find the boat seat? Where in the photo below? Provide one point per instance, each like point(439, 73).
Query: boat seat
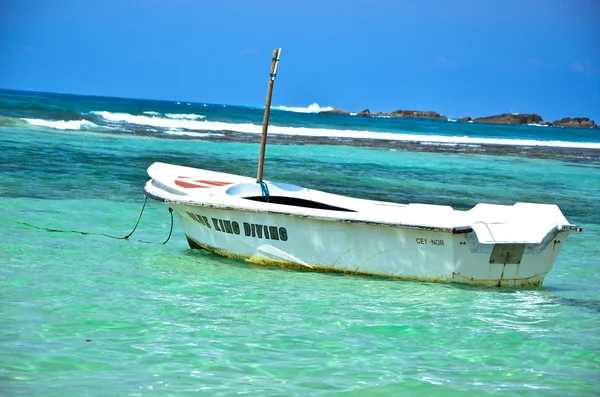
point(275, 189)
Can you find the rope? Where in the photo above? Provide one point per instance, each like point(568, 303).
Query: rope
point(264, 189)
point(139, 218)
point(171, 229)
point(108, 235)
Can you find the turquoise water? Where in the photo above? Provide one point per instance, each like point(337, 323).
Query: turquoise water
point(86, 314)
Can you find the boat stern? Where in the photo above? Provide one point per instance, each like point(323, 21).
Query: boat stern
point(511, 246)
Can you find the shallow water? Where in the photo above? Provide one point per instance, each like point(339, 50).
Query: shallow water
point(94, 315)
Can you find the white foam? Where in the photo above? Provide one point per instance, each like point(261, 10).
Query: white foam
point(152, 113)
point(176, 125)
point(195, 134)
point(329, 133)
point(62, 124)
point(178, 116)
point(313, 108)
point(161, 122)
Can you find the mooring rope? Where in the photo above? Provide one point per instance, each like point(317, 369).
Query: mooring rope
point(108, 235)
point(139, 218)
point(171, 229)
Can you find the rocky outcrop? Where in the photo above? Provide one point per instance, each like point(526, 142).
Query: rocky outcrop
point(417, 114)
point(577, 122)
point(335, 111)
point(505, 118)
point(511, 118)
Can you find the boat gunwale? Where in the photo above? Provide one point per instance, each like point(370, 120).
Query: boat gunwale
point(453, 230)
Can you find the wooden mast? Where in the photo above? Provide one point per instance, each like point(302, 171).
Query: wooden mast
point(265, 126)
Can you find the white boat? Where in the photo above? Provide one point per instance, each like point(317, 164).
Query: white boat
point(287, 225)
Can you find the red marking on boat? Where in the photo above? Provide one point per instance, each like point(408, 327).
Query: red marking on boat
point(214, 183)
point(188, 185)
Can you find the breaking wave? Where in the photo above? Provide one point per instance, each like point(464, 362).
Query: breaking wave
point(431, 139)
point(314, 108)
point(63, 124)
point(185, 116)
point(192, 134)
point(197, 126)
point(176, 121)
point(538, 125)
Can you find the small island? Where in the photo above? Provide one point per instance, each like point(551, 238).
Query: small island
point(335, 111)
point(504, 118)
point(512, 118)
point(417, 114)
point(413, 114)
point(577, 122)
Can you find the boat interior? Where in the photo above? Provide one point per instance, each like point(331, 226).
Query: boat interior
point(281, 193)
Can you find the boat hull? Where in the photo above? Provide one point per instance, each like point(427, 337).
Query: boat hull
point(408, 253)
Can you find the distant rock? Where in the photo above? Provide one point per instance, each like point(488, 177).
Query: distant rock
point(577, 122)
point(417, 114)
point(506, 118)
point(511, 118)
point(335, 111)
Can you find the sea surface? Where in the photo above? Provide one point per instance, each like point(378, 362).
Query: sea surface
point(84, 312)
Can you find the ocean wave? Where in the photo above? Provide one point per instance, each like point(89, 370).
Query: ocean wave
point(314, 108)
point(193, 134)
point(161, 122)
point(192, 124)
point(63, 124)
point(432, 139)
point(184, 116)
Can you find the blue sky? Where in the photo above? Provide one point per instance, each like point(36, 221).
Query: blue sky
point(462, 57)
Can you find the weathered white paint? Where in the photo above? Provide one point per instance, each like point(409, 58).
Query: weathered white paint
point(487, 245)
